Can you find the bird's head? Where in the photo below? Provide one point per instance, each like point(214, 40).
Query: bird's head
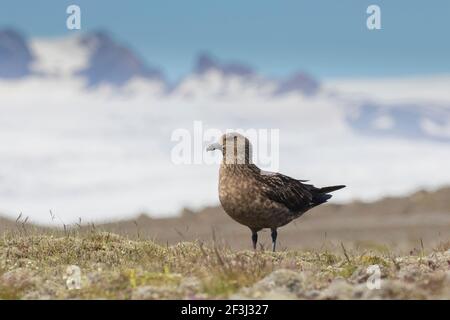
point(235, 148)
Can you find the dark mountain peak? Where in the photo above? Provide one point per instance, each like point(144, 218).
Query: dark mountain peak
point(299, 81)
point(206, 62)
point(96, 39)
point(15, 54)
point(113, 63)
point(11, 34)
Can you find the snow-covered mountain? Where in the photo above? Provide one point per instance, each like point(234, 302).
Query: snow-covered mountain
point(87, 129)
point(214, 78)
point(112, 63)
point(15, 55)
point(94, 57)
point(98, 60)
point(205, 63)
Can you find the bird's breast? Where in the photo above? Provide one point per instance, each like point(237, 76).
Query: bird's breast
point(244, 201)
point(235, 192)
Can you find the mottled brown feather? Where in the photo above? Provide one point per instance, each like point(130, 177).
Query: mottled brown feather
point(262, 200)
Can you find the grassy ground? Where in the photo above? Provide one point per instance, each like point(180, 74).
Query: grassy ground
point(113, 267)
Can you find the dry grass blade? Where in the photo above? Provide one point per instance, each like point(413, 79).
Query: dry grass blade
point(345, 253)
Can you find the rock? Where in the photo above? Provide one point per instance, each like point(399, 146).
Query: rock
point(36, 295)
point(447, 278)
point(95, 277)
point(312, 294)
point(153, 293)
point(20, 282)
point(360, 275)
point(338, 289)
point(409, 273)
point(280, 284)
point(19, 278)
point(394, 289)
point(144, 293)
point(190, 285)
point(446, 290)
point(389, 289)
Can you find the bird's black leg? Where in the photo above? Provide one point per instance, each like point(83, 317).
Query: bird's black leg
point(254, 239)
point(274, 239)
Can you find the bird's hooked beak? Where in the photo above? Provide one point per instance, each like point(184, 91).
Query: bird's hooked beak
point(214, 146)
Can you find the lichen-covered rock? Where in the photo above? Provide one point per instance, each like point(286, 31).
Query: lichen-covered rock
point(311, 294)
point(338, 289)
point(409, 273)
point(395, 289)
point(190, 285)
point(15, 284)
point(19, 278)
point(360, 275)
point(153, 293)
point(280, 284)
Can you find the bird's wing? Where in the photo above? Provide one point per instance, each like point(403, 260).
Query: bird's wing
point(270, 173)
point(290, 192)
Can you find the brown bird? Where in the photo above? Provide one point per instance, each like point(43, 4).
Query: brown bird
point(260, 199)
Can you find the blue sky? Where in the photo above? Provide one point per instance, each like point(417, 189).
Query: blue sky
point(328, 39)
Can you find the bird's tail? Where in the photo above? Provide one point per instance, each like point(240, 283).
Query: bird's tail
point(330, 189)
point(321, 195)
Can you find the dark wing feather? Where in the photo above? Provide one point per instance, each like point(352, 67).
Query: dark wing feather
point(294, 194)
point(291, 192)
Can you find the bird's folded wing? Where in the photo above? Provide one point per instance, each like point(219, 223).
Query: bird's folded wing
point(285, 190)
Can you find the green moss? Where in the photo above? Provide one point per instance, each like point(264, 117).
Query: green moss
point(372, 260)
point(155, 278)
point(347, 270)
point(328, 258)
point(10, 293)
point(218, 287)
